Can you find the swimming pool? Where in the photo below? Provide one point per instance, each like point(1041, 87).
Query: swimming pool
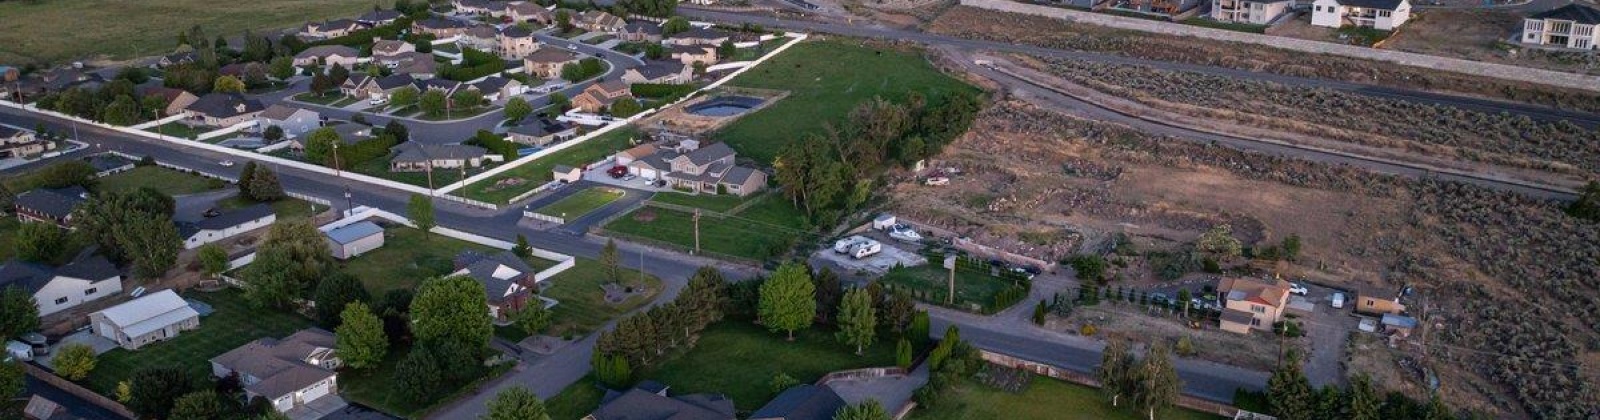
point(725, 106)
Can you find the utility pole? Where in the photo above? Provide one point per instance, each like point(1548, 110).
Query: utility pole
point(697, 231)
point(950, 298)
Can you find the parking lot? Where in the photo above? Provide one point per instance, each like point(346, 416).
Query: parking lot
point(893, 252)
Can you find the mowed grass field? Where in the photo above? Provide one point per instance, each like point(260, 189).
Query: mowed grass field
point(739, 359)
point(826, 80)
point(1044, 398)
point(581, 203)
point(167, 181)
point(763, 230)
point(54, 31)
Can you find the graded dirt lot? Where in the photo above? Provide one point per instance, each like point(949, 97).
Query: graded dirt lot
point(1482, 35)
point(52, 31)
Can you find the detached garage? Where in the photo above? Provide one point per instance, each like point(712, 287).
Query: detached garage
point(352, 240)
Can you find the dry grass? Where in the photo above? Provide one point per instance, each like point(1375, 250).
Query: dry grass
point(1482, 35)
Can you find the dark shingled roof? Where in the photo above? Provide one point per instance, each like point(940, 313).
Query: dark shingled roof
point(482, 267)
point(53, 202)
point(804, 402)
point(412, 151)
point(34, 276)
point(639, 404)
point(1371, 4)
point(1573, 12)
point(224, 105)
point(225, 220)
point(657, 69)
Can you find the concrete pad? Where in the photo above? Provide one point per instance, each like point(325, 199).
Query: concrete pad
point(101, 345)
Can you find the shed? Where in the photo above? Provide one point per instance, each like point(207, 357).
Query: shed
point(352, 240)
point(1399, 324)
point(567, 174)
point(883, 222)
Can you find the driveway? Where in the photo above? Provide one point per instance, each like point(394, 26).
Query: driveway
point(892, 392)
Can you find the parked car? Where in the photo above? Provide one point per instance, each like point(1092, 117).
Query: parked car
point(1337, 301)
point(1023, 273)
point(905, 233)
point(1159, 298)
point(617, 171)
point(378, 101)
point(212, 212)
point(1299, 289)
point(226, 163)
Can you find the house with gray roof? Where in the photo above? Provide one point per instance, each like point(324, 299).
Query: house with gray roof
point(652, 402)
point(352, 240)
point(50, 205)
point(223, 110)
point(709, 169)
point(415, 156)
point(1383, 15)
point(226, 225)
point(330, 29)
point(290, 372)
point(152, 318)
point(294, 121)
point(16, 142)
point(697, 36)
point(327, 56)
point(803, 402)
point(88, 278)
point(1575, 26)
point(541, 131)
point(640, 31)
point(506, 278)
point(659, 72)
point(379, 17)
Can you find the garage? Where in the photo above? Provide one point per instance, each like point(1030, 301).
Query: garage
point(315, 391)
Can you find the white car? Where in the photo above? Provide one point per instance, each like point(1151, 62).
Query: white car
point(1299, 289)
point(378, 101)
point(1337, 301)
point(226, 163)
point(905, 233)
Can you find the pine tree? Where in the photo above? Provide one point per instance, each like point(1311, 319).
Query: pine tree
point(611, 262)
point(829, 292)
point(516, 403)
point(902, 354)
point(1330, 403)
point(333, 293)
point(1116, 372)
point(920, 327)
point(1363, 400)
point(522, 250)
point(1158, 382)
point(360, 339)
point(1436, 409)
point(418, 375)
point(245, 172)
point(858, 320)
point(1289, 393)
point(897, 310)
point(788, 300)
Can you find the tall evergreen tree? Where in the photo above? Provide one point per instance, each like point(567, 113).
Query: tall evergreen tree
point(1330, 403)
point(1117, 373)
point(1289, 394)
point(858, 320)
point(19, 314)
point(333, 293)
point(611, 262)
point(1363, 400)
point(1159, 385)
point(245, 172)
point(788, 300)
point(829, 293)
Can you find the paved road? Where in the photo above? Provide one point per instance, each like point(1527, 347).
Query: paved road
point(1476, 104)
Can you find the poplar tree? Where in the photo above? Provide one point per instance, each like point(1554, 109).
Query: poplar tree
point(788, 300)
point(858, 320)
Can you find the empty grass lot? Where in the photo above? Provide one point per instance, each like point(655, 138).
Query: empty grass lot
point(738, 359)
point(763, 230)
point(167, 181)
point(406, 258)
point(62, 30)
point(930, 283)
point(581, 202)
point(1044, 398)
point(717, 203)
point(826, 80)
point(537, 172)
point(176, 129)
point(234, 323)
point(583, 308)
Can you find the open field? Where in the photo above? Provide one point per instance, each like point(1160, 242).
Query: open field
point(720, 203)
point(1044, 398)
point(61, 30)
point(826, 79)
point(167, 181)
point(234, 323)
point(739, 359)
point(524, 178)
point(581, 203)
point(406, 258)
point(765, 229)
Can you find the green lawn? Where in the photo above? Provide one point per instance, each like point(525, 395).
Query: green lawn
point(583, 308)
point(537, 172)
point(62, 30)
point(330, 98)
point(380, 168)
point(234, 323)
point(930, 283)
point(176, 129)
point(578, 400)
point(826, 80)
point(406, 258)
point(168, 181)
point(8, 237)
point(752, 53)
point(720, 203)
point(287, 209)
point(376, 388)
point(763, 230)
point(1044, 398)
point(581, 203)
point(739, 359)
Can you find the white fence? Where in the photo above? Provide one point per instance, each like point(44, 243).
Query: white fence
point(563, 261)
point(225, 131)
point(543, 217)
point(163, 121)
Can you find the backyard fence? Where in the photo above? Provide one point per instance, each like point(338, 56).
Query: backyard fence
point(78, 391)
point(1082, 378)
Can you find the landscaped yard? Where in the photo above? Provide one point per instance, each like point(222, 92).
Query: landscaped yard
point(765, 229)
point(331, 98)
point(536, 173)
point(578, 400)
point(406, 258)
point(176, 129)
point(287, 208)
point(931, 283)
point(581, 202)
point(377, 388)
point(380, 168)
point(826, 80)
point(1044, 398)
point(61, 30)
point(234, 323)
point(168, 181)
point(739, 359)
point(583, 307)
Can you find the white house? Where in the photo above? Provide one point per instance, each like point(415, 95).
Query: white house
point(290, 372)
point(155, 317)
point(1377, 14)
point(354, 239)
point(1571, 26)
point(1255, 12)
point(226, 225)
point(87, 278)
point(294, 122)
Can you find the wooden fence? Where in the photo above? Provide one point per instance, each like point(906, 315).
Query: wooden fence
point(79, 391)
point(1044, 369)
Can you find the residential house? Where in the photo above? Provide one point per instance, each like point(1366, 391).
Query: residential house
point(634, 153)
point(599, 21)
point(480, 37)
point(697, 36)
point(89, 277)
point(472, 7)
point(649, 400)
point(546, 63)
point(417, 65)
point(1252, 304)
point(175, 58)
point(223, 109)
point(704, 170)
point(600, 95)
point(294, 122)
point(291, 372)
point(802, 402)
point(226, 225)
point(414, 156)
point(541, 132)
point(1572, 26)
point(328, 55)
point(640, 32)
point(567, 174)
point(527, 11)
point(659, 72)
point(506, 278)
point(389, 51)
point(349, 133)
point(1373, 300)
point(379, 17)
point(1383, 15)
point(368, 87)
point(1254, 12)
point(236, 70)
point(330, 29)
point(16, 142)
point(352, 240)
point(177, 100)
point(50, 205)
point(516, 42)
point(438, 27)
point(495, 88)
point(151, 318)
point(694, 54)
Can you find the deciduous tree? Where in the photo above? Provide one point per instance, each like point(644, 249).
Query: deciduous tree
point(74, 361)
point(213, 260)
point(1219, 242)
point(433, 102)
point(334, 293)
point(418, 376)
point(516, 403)
point(360, 338)
point(788, 300)
point(450, 310)
point(281, 68)
point(293, 256)
point(534, 318)
point(199, 405)
point(12, 380)
point(39, 242)
point(517, 108)
point(319, 144)
point(420, 210)
point(1117, 373)
point(867, 410)
point(150, 242)
point(1159, 385)
point(18, 312)
point(228, 84)
point(155, 390)
point(858, 320)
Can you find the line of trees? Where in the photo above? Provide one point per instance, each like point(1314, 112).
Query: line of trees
point(1290, 396)
point(116, 102)
point(1151, 382)
point(641, 339)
